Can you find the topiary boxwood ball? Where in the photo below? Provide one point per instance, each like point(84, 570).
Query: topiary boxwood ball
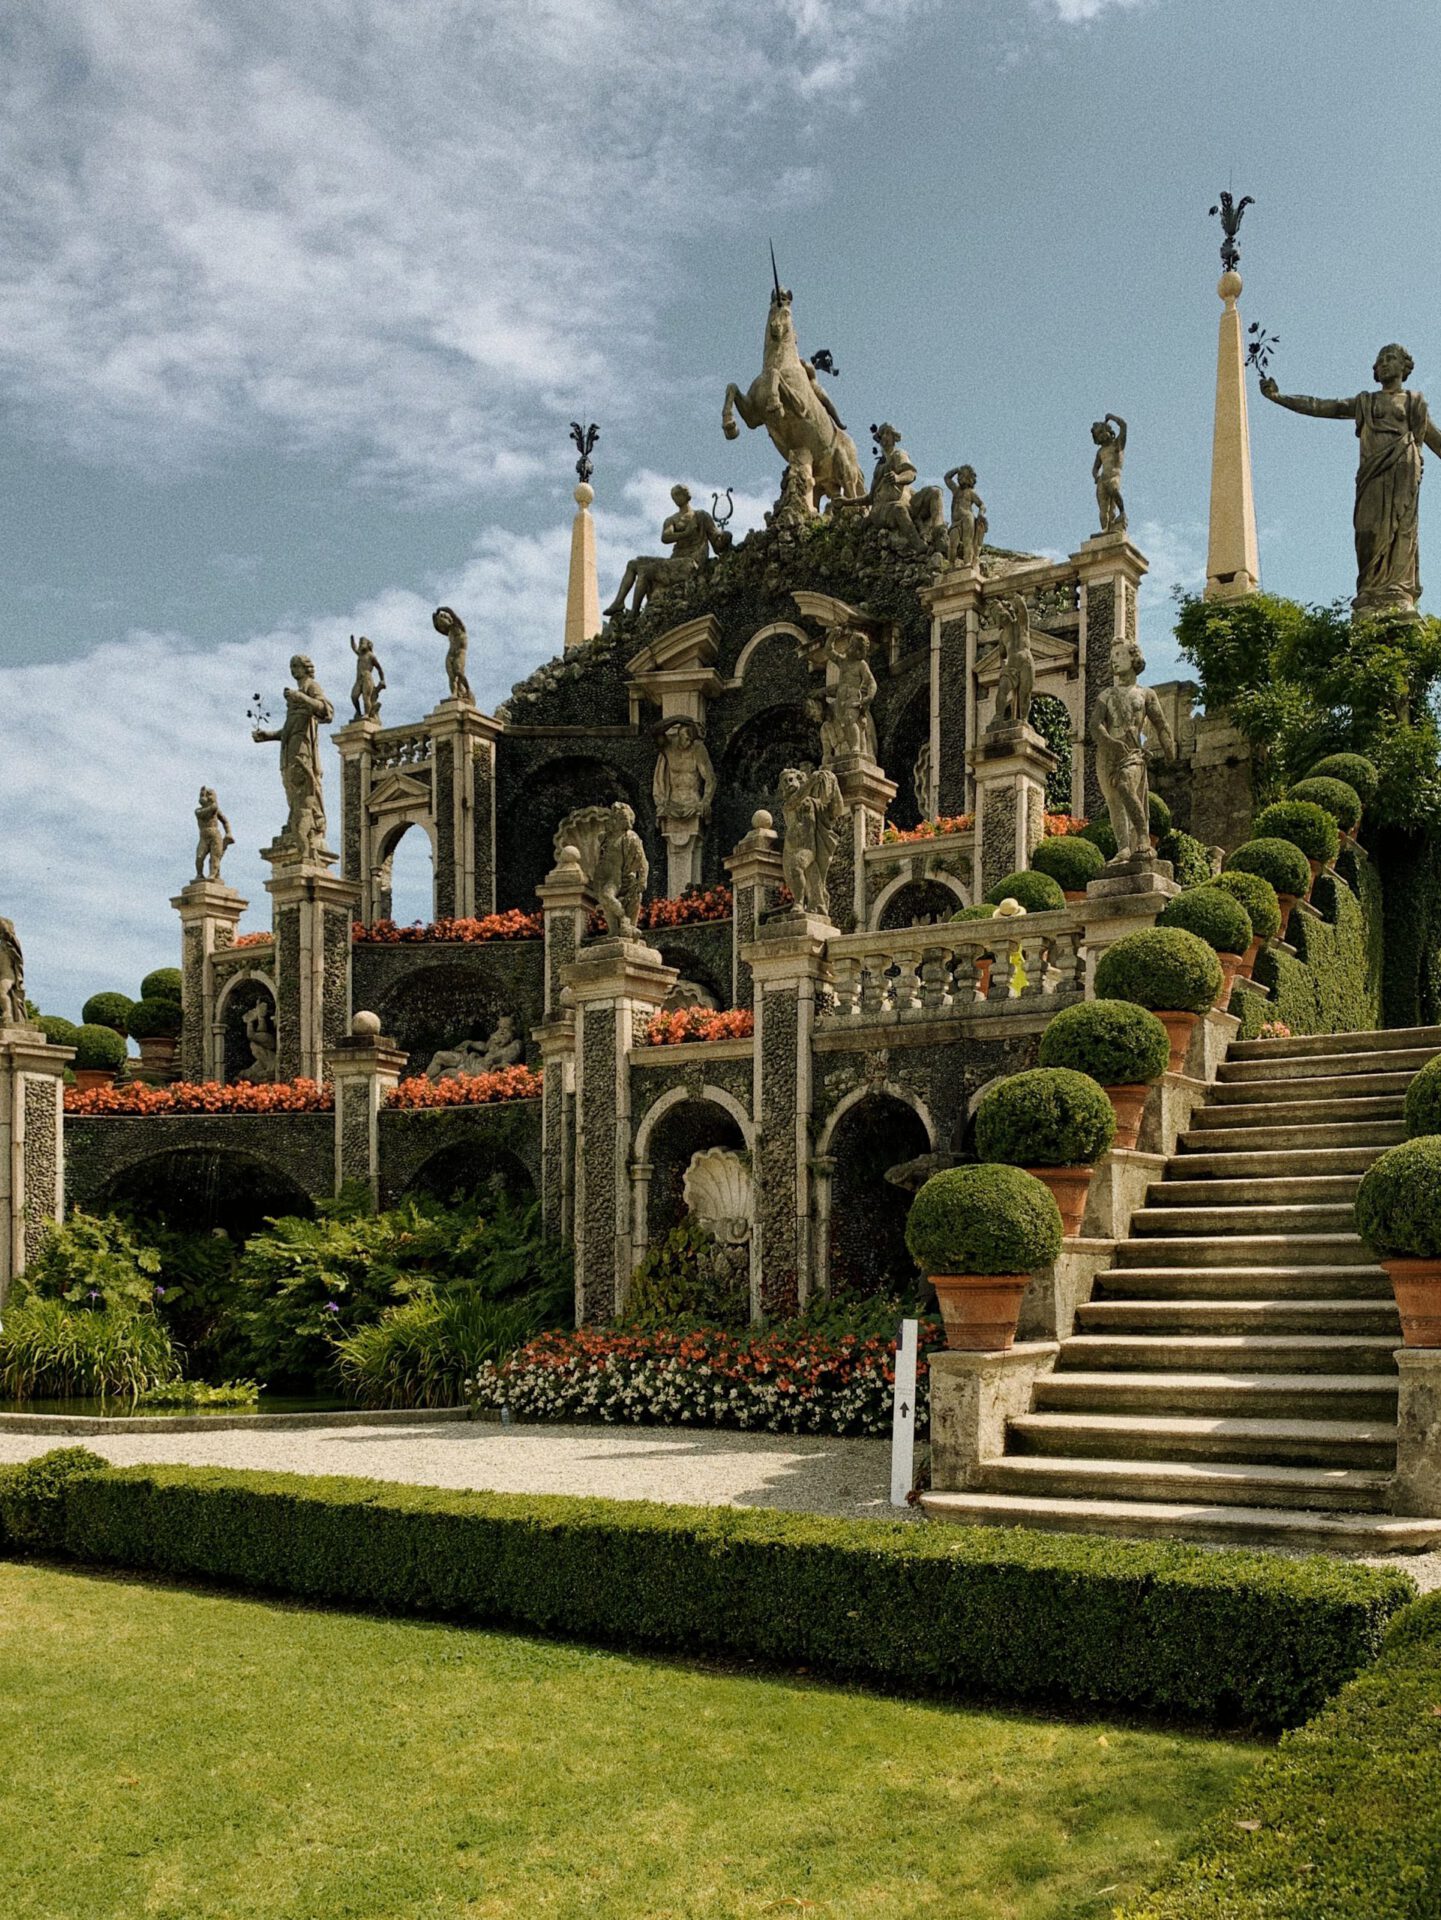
point(983, 1220)
point(1257, 896)
point(1190, 863)
point(98, 1049)
point(1163, 968)
point(153, 1019)
point(58, 1032)
point(1213, 916)
point(1398, 1203)
point(982, 911)
point(163, 984)
point(1304, 824)
point(1423, 1101)
point(1355, 769)
point(1116, 1042)
point(1047, 1117)
point(1101, 834)
point(1160, 814)
point(1279, 861)
point(1335, 797)
point(1037, 892)
point(1069, 860)
point(107, 1010)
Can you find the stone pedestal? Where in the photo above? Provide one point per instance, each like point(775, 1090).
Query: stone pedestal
point(32, 1149)
point(462, 741)
point(556, 1038)
point(365, 1067)
point(867, 794)
point(756, 874)
point(311, 913)
point(1110, 571)
point(566, 904)
point(1129, 896)
point(615, 985)
point(209, 914)
point(1010, 769)
point(973, 1395)
point(1417, 1486)
point(788, 965)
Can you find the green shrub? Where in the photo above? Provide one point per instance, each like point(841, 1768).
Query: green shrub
point(32, 1498)
point(1070, 861)
point(92, 1259)
point(1190, 862)
point(1304, 824)
point(422, 1354)
point(163, 984)
point(1037, 892)
point(1212, 915)
point(153, 1019)
point(99, 1049)
point(1011, 1615)
point(1160, 815)
point(1116, 1042)
point(50, 1351)
point(107, 1010)
point(1358, 773)
point(1335, 797)
point(201, 1393)
point(1398, 1203)
point(1423, 1101)
point(1047, 1117)
point(1163, 968)
point(684, 1276)
point(58, 1032)
point(983, 910)
point(1257, 896)
point(1101, 834)
point(1279, 861)
point(983, 1220)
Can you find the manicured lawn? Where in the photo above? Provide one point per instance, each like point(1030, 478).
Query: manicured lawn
point(184, 1756)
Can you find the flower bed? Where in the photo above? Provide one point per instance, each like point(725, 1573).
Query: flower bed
point(467, 1089)
point(698, 1023)
point(510, 925)
point(772, 1383)
point(687, 909)
point(207, 1096)
point(252, 940)
point(927, 830)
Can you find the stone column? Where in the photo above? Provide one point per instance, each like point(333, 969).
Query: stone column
point(756, 875)
point(556, 1036)
point(955, 603)
point(32, 1146)
point(209, 913)
point(788, 962)
point(365, 1067)
point(566, 903)
point(356, 746)
point(1417, 1486)
point(1110, 571)
point(1233, 558)
point(582, 597)
point(616, 985)
point(463, 761)
point(867, 793)
point(311, 913)
point(1010, 768)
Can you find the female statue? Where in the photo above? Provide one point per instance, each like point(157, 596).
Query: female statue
point(306, 711)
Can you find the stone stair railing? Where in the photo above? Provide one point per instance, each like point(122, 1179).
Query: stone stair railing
point(930, 973)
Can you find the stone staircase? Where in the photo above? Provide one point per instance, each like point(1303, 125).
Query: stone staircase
point(1231, 1378)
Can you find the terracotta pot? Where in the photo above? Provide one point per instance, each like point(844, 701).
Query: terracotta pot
point(157, 1056)
point(1155, 840)
point(1130, 1105)
point(1249, 959)
point(89, 1078)
point(1074, 895)
point(1286, 901)
point(980, 1310)
point(1230, 964)
point(983, 976)
point(1417, 1287)
point(1069, 1187)
point(1318, 867)
point(1179, 1027)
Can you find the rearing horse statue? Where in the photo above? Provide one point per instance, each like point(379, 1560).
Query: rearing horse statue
point(786, 399)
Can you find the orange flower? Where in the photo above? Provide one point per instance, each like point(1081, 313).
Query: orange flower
point(927, 830)
point(698, 1023)
point(467, 1089)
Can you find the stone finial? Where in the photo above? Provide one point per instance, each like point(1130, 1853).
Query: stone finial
point(365, 1026)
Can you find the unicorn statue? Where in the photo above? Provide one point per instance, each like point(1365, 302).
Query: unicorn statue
point(789, 402)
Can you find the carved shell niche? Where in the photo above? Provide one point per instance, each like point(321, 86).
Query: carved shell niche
point(717, 1189)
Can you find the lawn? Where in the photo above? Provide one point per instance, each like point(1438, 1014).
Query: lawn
point(185, 1756)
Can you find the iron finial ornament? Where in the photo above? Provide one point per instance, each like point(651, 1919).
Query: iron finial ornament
point(1231, 212)
point(585, 439)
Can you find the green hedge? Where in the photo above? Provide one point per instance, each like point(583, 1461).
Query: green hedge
point(1333, 984)
point(1070, 861)
point(1398, 1203)
point(1037, 892)
point(1163, 968)
point(1343, 1821)
point(1423, 1101)
point(1010, 1615)
point(983, 1219)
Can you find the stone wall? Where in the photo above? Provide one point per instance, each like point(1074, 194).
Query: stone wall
point(296, 1150)
point(412, 1139)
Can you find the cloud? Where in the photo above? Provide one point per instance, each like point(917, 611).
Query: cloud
point(1082, 12)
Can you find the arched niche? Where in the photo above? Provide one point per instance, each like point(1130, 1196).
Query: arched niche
point(430, 1007)
point(200, 1189)
point(240, 995)
point(678, 1126)
point(525, 829)
point(869, 1132)
point(918, 903)
point(750, 768)
point(908, 732)
point(470, 1168)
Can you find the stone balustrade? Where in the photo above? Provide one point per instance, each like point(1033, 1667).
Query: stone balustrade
point(934, 972)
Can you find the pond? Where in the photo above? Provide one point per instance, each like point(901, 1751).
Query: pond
point(95, 1409)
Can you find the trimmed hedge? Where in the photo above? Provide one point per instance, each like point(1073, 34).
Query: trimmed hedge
point(1069, 860)
point(1355, 769)
point(1163, 968)
point(1341, 1822)
point(1037, 892)
point(1212, 915)
point(1190, 862)
point(1398, 1203)
point(1336, 797)
point(58, 1031)
point(1332, 982)
point(983, 910)
point(983, 1220)
point(1304, 824)
point(1218, 1636)
point(1423, 1101)
point(1279, 861)
point(1046, 1117)
point(107, 1010)
point(1257, 896)
point(1160, 815)
point(100, 1049)
point(1116, 1042)
point(1101, 834)
point(32, 1498)
point(164, 983)
point(151, 1019)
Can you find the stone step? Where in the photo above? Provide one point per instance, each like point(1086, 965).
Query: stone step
point(1314, 1137)
point(1397, 1060)
point(1294, 1189)
point(1334, 1443)
point(1281, 1317)
point(1218, 1482)
point(1272, 1091)
point(1326, 1353)
point(1290, 1528)
point(1301, 1114)
point(1280, 1396)
point(1355, 1282)
point(1277, 1163)
point(1372, 1040)
point(1313, 1218)
point(1244, 1250)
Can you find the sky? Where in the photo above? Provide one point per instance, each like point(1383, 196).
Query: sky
point(296, 305)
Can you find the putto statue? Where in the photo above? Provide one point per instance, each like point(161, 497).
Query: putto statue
point(260, 1036)
point(214, 836)
point(1392, 426)
point(968, 518)
point(788, 401)
point(306, 710)
point(369, 681)
point(1018, 664)
point(447, 621)
point(683, 788)
point(12, 978)
point(1109, 436)
point(505, 1047)
point(1127, 723)
point(692, 535)
point(621, 873)
point(814, 813)
point(848, 728)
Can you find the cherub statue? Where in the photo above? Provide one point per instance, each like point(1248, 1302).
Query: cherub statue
point(621, 871)
point(692, 536)
point(447, 621)
point(1110, 438)
point(369, 680)
point(260, 1034)
point(813, 810)
point(215, 836)
point(968, 518)
point(850, 729)
point(1018, 666)
point(12, 978)
point(1125, 722)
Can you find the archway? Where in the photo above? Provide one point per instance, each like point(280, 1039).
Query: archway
point(868, 1213)
point(404, 883)
point(919, 903)
point(749, 773)
point(525, 827)
point(204, 1190)
point(668, 1142)
point(1051, 718)
point(901, 752)
point(468, 1168)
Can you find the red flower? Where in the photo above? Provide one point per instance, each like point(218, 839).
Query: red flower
point(467, 1089)
point(927, 830)
point(208, 1096)
point(698, 1023)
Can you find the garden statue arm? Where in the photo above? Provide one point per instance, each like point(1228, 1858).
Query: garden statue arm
point(1305, 403)
point(1157, 726)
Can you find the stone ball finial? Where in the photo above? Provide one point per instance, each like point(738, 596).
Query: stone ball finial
point(584, 495)
point(1229, 285)
point(366, 1026)
point(761, 821)
point(570, 856)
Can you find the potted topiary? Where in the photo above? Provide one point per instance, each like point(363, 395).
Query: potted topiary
point(1070, 861)
point(107, 1010)
point(1055, 1123)
point(978, 1233)
point(1356, 770)
point(1335, 797)
point(99, 1055)
point(58, 1032)
point(1037, 892)
point(164, 983)
point(1282, 863)
point(1170, 971)
point(1221, 921)
point(1398, 1215)
point(1306, 826)
point(984, 961)
point(1120, 1045)
point(155, 1024)
point(1263, 910)
point(1423, 1100)
point(1101, 834)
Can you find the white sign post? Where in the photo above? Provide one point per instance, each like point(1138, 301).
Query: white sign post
point(903, 1414)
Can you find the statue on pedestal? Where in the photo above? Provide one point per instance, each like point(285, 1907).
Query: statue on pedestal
point(12, 978)
point(683, 789)
point(447, 621)
point(1109, 436)
point(1125, 723)
point(848, 728)
point(306, 710)
point(1392, 425)
point(621, 873)
point(968, 518)
point(214, 836)
point(260, 1034)
point(369, 681)
point(814, 812)
point(1018, 664)
point(691, 534)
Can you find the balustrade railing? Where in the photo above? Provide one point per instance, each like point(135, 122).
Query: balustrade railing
point(398, 747)
point(923, 974)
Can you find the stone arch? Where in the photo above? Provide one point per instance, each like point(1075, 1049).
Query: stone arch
point(749, 769)
point(239, 994)
point(433, 1006)
point(387, 843)
point(678, 1125)
point(199, 1188)
point(472, 1166)
point(936, 896)
point(774, 629)
point(525, 832)
point(865, 1248)
point(677, 1096)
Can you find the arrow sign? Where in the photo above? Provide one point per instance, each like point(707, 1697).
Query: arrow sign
point(903, 1417)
